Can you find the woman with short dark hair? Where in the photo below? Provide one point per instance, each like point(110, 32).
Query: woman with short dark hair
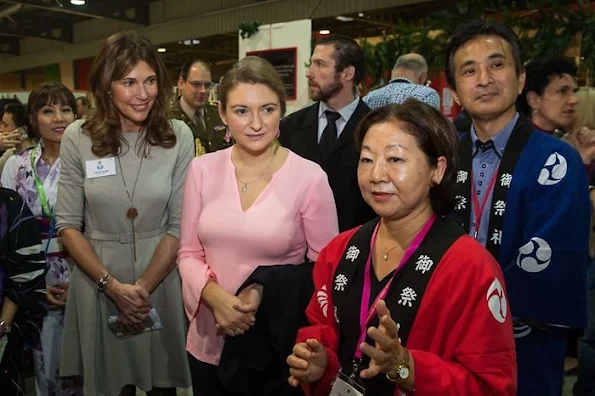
point(407, 302)
point(122, 177)
point(34, 174)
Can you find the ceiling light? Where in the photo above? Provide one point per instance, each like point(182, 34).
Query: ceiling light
point(325, 31)
point(360, 14)
point(77, 2)
point(161, 49)
point(344, 18)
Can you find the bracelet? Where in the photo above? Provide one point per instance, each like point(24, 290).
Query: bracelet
point(5, 326)
point(103, 282)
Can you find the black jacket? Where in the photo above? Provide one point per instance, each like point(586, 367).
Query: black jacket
point(253, 364)
point(299, 133)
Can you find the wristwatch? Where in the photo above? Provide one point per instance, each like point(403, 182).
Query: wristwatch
point(401, 372)
point(5, 326)
point(103, 281)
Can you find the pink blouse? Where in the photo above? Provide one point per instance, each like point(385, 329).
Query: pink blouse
point(294, 216)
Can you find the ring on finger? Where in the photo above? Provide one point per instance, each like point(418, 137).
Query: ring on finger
point(139, 315)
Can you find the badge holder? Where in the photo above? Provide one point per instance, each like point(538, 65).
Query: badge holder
point(349, 385)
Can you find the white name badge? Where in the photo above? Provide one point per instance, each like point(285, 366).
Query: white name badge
point(101, 167)
point(345, 386)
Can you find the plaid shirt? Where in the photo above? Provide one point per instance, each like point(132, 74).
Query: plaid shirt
point(399, 90)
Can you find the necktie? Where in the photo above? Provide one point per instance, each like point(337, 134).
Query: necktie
point(329, 135)
point(199, 119)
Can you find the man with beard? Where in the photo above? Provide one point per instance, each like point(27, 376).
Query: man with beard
point(324, 131)
point(193, 108)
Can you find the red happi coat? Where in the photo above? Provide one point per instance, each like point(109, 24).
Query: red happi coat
point(458, 345)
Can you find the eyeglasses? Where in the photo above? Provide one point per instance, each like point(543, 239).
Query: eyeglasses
point(201, 84)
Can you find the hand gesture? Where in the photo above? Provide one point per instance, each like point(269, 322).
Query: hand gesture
point(388, 351)
point(56, 296)
point(583, 141)
point(307, 363)
point(133, 301)
point(9, 140)
point(251, 297)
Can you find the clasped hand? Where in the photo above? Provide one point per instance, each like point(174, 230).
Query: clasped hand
point(309, 359)
point(235, 315)
point(133, 303)
point(56, 296)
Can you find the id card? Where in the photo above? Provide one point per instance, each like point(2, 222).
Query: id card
point(346, 386)
point(101, 167)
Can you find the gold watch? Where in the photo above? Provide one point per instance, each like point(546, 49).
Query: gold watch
point(401, 372)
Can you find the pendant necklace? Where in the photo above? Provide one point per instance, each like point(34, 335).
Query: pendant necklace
point(132, 212)
point(246, 184)
point(386, 252)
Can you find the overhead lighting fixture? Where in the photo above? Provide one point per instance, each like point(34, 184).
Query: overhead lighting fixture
point(360, 14)
point(161, 49)
point(189, 42)
point(325, 31)
point(77, 2)
point(344, 18)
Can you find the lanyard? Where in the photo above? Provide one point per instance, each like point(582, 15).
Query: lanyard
point(480, 208)
point(367, 312)
point(40, 191)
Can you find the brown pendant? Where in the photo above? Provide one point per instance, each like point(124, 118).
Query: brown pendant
point(132, 214)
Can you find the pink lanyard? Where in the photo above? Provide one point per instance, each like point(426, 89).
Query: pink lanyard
point(366, 314)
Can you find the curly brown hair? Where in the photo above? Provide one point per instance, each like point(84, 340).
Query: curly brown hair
point(119, 54)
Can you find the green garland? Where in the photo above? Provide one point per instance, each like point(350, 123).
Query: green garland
point(548, 28)
point(249, 29)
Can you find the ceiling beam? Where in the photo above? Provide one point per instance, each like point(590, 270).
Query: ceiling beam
point(130, 11)
point(59, 34)
point(9, 45)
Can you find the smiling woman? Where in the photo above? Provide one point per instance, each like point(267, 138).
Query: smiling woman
point(392, 332)
point(34, 173)
point(122, 175)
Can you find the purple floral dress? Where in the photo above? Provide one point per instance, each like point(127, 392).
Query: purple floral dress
point(47, 355)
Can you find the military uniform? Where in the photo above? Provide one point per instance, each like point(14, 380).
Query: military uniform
point(211, 136)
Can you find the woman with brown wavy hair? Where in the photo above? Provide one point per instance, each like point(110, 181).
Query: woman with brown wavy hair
point(122, 176)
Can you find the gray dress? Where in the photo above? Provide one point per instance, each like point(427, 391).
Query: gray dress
point(151, 359)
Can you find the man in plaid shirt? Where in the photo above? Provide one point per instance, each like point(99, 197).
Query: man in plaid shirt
point(407, 81)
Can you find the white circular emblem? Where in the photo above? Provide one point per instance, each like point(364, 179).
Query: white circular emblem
point(535, 255)
point(497, 301)
point(520, 330)
point(553, 171)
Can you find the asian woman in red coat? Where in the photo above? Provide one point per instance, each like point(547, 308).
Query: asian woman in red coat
point(407, 303)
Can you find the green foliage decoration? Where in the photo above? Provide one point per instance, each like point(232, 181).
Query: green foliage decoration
point(249, 29)
point(545, 28)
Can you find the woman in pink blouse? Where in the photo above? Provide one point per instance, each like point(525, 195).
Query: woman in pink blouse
point(251, 205)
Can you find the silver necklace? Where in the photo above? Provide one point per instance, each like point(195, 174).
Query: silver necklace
point(246, 184)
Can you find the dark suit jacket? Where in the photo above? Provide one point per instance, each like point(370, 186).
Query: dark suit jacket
point(206, 140)
point(299, 133)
